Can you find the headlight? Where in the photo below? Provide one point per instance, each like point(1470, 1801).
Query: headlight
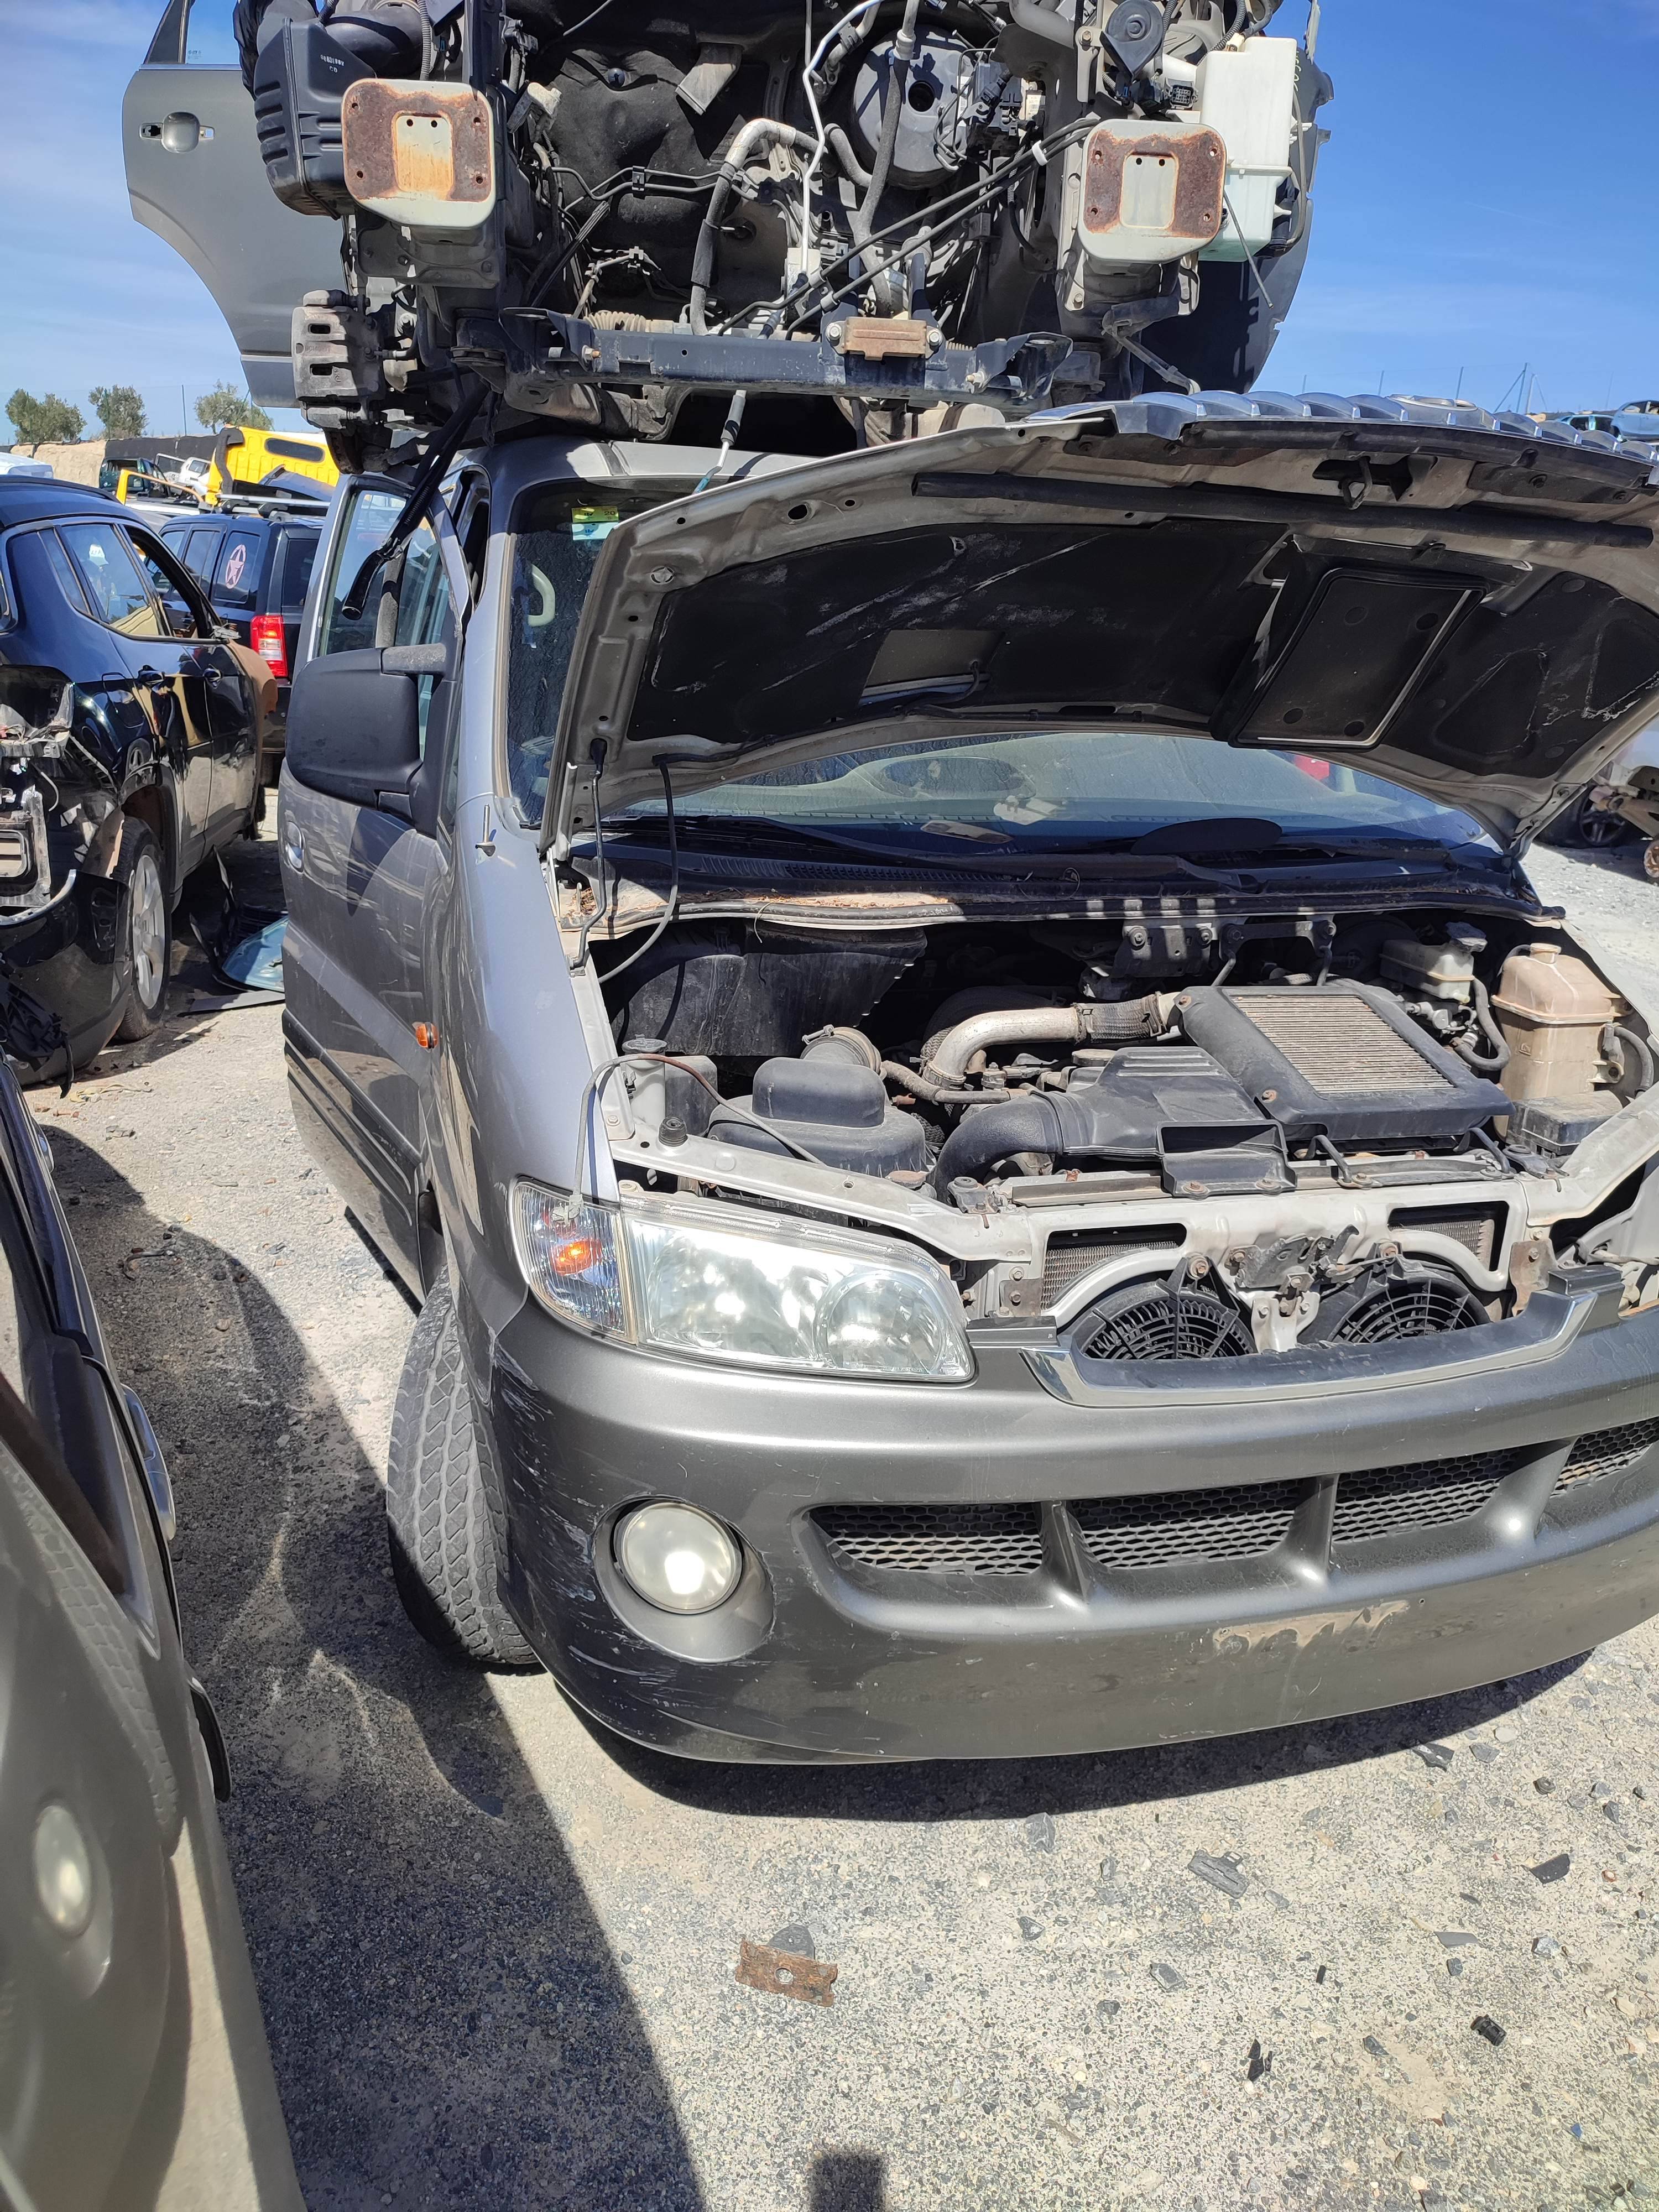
point(678, 1558)
point(680, 1274)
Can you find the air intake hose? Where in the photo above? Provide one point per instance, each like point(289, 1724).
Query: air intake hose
point(990, 1133)
point(1124, 1021)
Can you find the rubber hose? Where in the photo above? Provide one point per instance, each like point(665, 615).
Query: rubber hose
point(842, 146)
point(1497, 1060)
point(1016, 1125)
point(938, 1094)
point(752, 135)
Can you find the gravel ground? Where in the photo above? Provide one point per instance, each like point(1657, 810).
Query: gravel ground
point(497, 1955)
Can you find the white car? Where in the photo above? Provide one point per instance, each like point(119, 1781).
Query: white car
point(19, 465)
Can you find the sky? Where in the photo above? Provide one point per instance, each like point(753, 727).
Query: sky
point(1485, 209)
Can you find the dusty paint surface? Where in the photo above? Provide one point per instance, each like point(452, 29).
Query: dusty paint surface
point(498, 1955)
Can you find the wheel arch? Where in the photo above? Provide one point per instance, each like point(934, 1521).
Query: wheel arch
point(149, 804)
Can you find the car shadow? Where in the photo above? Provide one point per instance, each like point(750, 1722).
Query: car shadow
point(1016, 1789)
point(449, 2025)
point(848, 2181)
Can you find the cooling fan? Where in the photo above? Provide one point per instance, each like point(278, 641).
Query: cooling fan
point(1151, 1320)
point(1423, 1300)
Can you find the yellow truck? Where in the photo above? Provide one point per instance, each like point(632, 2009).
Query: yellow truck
point(249, 460)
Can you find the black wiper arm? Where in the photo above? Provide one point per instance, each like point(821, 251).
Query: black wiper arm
point(733, 832)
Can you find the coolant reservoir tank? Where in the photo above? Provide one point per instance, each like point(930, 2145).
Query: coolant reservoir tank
point(1552, 1009)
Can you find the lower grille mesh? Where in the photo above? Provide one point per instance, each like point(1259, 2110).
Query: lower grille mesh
point(1239, 1522)
point(1193, 1524)
point(1607, 1452)
point(1383, 1500)
point(976, 1540)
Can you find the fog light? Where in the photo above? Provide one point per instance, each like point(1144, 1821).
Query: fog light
point(62, 1870)
point(678, 1558)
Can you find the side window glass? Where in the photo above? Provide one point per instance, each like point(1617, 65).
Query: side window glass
point(424, 604)
point(369, 525)
point(210, 34)
point(237, 574)
point(198, 554)
point(115, 587)
point(64, 569)
point(167, 582)
point(299, 559)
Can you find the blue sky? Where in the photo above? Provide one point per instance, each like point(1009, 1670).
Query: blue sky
point(1486, 201)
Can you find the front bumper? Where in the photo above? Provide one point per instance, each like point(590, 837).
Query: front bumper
point(844, 1660)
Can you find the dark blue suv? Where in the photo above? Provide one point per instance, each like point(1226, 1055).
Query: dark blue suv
point(129, 752)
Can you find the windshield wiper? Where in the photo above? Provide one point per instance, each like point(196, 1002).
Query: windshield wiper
point(752, 834)
point(760, 832)
point(1296, 850)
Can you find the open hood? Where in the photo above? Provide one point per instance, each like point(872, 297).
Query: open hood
point(1464, 604)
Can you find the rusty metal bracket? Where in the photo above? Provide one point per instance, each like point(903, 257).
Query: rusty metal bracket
point(786, 1974)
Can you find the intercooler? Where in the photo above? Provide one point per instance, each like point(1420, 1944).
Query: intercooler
point(1344, 1060)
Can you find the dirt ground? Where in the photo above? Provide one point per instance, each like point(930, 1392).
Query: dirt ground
point(497, 1953)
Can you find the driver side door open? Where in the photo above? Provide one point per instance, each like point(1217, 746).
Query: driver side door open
point(359, 865)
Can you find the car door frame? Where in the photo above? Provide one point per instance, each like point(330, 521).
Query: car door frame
point(231, 714)
point(338, 855)
point(257, 258)
point(169, 714)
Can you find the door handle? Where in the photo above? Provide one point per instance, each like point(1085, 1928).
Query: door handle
point(181, 132)
point(293, 845)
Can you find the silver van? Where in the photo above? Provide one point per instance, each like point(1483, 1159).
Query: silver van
point(998, 1154)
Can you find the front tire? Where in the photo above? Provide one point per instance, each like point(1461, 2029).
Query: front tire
point(446, 1534)
point(148, 930)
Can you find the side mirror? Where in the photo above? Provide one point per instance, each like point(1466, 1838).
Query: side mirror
point(354, 728)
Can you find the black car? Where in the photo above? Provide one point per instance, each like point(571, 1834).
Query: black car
point(255, 569)
point(129, 753)
point(126, 1972)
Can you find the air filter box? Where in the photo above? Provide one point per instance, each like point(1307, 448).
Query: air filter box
point(1344, 1060)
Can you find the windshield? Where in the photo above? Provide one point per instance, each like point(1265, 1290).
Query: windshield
point(559, 532)
point(1016, 792)
point(1033, 790)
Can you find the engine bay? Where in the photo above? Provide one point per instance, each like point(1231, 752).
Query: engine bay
point(1170, 1138)
point(857, 220)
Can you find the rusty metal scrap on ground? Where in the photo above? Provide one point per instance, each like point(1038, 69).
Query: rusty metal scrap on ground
point(786, 1974)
